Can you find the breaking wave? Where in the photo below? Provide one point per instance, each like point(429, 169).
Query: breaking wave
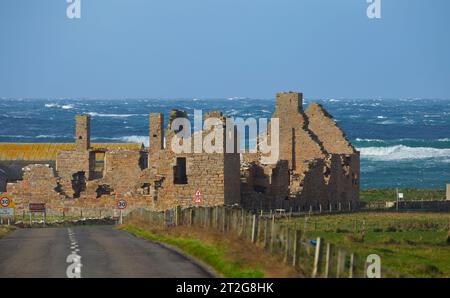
point(64, 106)
point(135, 139)
point(401, 152)
point(95, 114)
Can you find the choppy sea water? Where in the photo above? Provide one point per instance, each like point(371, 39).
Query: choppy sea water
point(403, 142)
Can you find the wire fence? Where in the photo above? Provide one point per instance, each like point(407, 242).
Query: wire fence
point(316, 257)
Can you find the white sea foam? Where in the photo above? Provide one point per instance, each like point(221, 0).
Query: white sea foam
point(55, 105)
point(95, 114)
point(368, 140)
point(51, 136)
point(135, 139)
point(401, 152)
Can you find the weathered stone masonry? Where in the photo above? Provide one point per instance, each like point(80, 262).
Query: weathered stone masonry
point(317, 168)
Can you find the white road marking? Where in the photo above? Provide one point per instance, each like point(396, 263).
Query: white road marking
point(74, 260)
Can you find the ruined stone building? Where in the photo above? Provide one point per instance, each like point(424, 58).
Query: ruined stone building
point(317, 168)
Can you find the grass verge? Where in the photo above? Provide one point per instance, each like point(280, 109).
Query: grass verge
point(4, 230)
point(228, 255)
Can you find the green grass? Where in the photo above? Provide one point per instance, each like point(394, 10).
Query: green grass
point(214, 256)
point(409, 244)
point(369, 195)
point(4, 230)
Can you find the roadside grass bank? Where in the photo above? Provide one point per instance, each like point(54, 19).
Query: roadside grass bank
point(409, 244)
point(390, 194)
point(227, 254)
point(4, 230)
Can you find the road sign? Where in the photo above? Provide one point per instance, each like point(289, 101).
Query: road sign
point(4, 202)
point(198, 197)
point(400, 195)
point(37, 207)
point(6, 212)
point(121, 204)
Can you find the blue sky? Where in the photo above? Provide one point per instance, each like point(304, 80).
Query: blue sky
point(224, 48)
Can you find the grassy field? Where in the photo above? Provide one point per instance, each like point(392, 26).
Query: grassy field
point(409, 244)
point(230, 256)
point(368, 195)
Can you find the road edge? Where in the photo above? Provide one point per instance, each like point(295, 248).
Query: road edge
point(197, 262)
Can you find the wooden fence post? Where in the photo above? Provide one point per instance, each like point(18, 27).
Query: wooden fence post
point(177, 215)
point(224, 218)
point(241, 232)
point(327, 260)
point(266, 231)
point(286, 245)
point(254, 229)
point(340, 263)
point(351, 266)
point(296, 247)
point(317, 257)
point(272, 233)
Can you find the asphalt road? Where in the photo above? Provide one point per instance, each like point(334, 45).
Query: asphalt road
point(91, 251)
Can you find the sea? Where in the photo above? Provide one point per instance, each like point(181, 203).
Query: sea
point(403, 142)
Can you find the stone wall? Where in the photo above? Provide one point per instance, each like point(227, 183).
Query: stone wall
point(321, 123)
point(39, 185)
point(297, 142)
point(215, 175)
point(70, 162)
point(122, 170)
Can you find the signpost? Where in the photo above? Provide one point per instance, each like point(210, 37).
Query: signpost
point(198, 197)
point(6, 209)
point(37, 208)
point(399, 196)
point(121, 204)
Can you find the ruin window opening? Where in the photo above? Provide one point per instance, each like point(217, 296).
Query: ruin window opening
point(78, 183)
point(180, 176)
point(146, 188)
point(103, 189)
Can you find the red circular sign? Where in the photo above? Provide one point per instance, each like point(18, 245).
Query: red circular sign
point(121, 204)
point(4, 202)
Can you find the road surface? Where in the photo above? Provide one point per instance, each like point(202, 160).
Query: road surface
point(100, 251)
